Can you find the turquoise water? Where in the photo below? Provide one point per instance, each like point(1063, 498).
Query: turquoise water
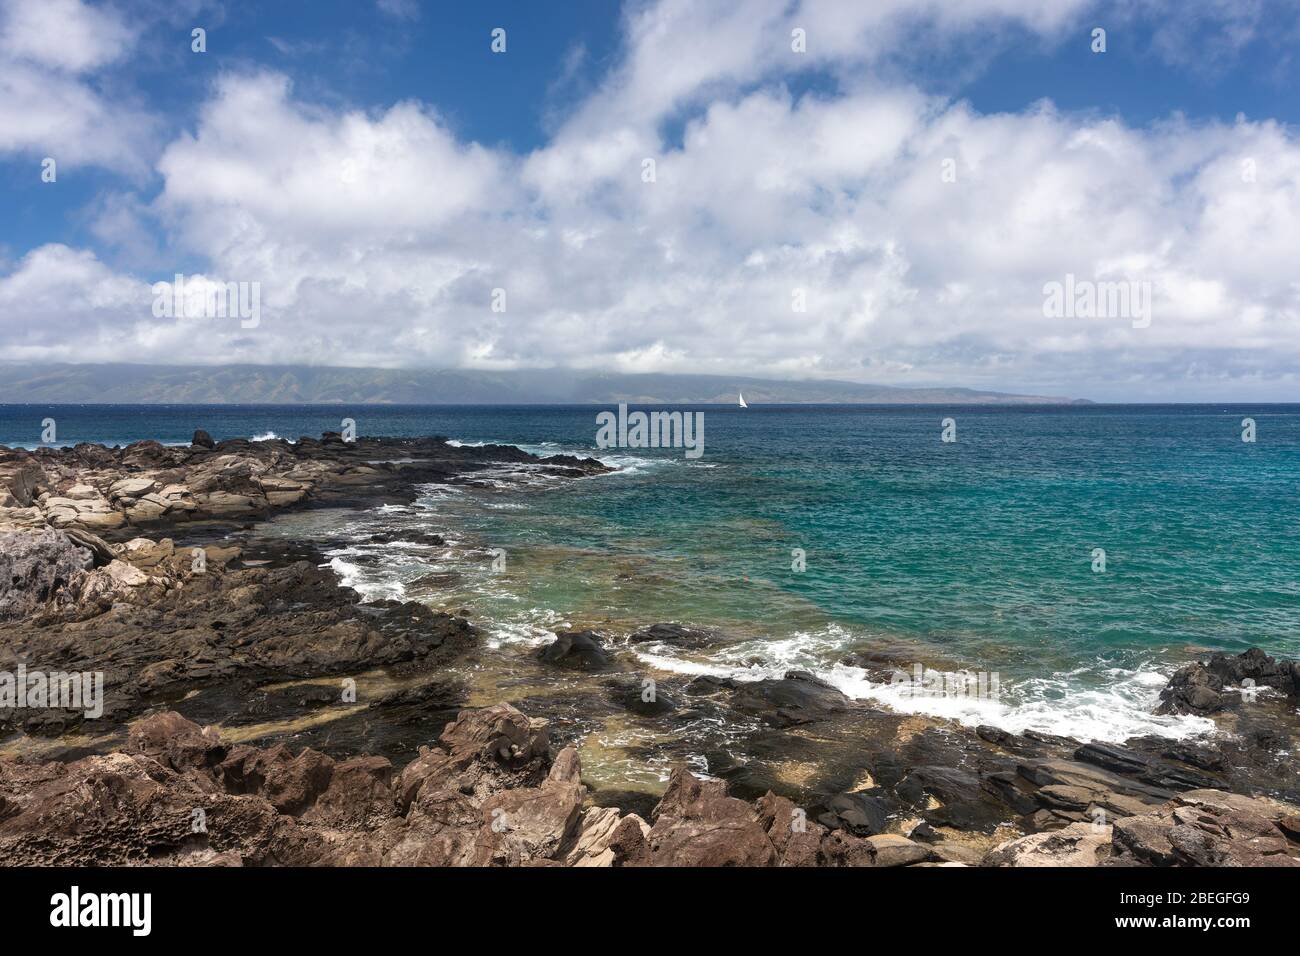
point(977, 553)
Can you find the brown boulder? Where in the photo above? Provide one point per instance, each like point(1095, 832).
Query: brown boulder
point(697, 824)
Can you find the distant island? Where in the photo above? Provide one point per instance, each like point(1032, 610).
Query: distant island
point(293, 384)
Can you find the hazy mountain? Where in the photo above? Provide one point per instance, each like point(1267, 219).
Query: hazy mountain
point(276, 384)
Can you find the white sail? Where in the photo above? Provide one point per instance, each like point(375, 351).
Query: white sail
point(742, 400)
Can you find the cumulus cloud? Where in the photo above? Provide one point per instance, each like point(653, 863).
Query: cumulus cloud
point(874, 233)
point(65, 35)
point(49, 104)
point(64, 304)
point(680, 51)
point(60, 116)
point(301, 174)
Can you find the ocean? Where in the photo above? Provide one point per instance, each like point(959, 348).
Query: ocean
point(981, 553)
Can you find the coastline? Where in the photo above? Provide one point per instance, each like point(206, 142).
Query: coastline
point(259, 639)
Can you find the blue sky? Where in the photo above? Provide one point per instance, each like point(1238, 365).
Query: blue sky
point(350, 53)
point(343, 53)
point(780, 171)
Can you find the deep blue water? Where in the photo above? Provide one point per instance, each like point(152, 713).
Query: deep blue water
point(979, 550)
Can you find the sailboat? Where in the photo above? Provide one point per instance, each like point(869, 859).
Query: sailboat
point(742, 400)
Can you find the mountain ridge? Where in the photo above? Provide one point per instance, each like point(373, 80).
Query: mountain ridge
point(126, 383)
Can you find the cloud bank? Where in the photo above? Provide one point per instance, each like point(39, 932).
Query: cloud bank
point(706, 208)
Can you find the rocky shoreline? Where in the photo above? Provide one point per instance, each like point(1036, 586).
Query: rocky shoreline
point(491, 791)
point(110, 491)
point(214, 624)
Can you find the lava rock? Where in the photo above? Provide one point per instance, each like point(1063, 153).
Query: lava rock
point(648, 700)
point(797, 698)
point(581, 650)
point(862, 813)
point(676, 634)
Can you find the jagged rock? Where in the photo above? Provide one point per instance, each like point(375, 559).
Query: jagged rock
point(274, 807)
point(14, 518)
point(208, 623)
point(1014, 790)
point(105, 586)
point(1124, 760)
point(797, 698)
point(948, 796)
point(91, 514)
point(359, 795)
point(1079, 844)
point(1207, 828)
point(862, 813)
point(697, 824)
point(216, 557)
point(1192, 690)
point(131, 487)
point(1113, 758)
point(796, 840)
point(144, 553)
point(593, 843)
point(202, 439)
point(839, 848)
point(1200, 688)
point(1255, 665)
point(412, 535)
point(576, 649)
point(420, 701)
point(531, 823)
point(282, 491)
point(499, 738)
point(1116, 794)
point(25, 481)
point(147, 483)
point(34, 567)
point(995, 735)
point(489, 793)
point(100, 550)
point(146, 510)
point(923, 833)
point(176, 742)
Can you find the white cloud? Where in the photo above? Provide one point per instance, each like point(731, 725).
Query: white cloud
point(52, 114)
point(64, 35)
point(61, 303)
point(260, 160)
point(680, 50)
point(378, 237)
point(48, 104)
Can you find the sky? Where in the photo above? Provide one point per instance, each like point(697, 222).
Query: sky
point(889, 192)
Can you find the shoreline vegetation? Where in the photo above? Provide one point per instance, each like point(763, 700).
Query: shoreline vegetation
point(145, 564)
